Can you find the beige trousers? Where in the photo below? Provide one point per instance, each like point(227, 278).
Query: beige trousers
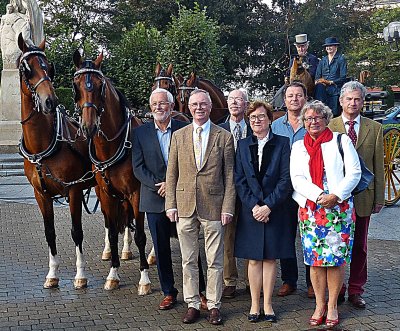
point(188, 233)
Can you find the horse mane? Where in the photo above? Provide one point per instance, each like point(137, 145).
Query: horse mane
point(124, 103)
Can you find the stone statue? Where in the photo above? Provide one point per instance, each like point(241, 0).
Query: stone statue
point(12, 24)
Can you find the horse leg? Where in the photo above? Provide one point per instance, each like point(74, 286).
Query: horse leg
point(47, 210)
point(75, 206)
point(126, 249)
point(151, 258)
point(144, 287)
point(107, 249)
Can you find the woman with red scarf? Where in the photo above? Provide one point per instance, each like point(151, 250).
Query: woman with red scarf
point(322, 182)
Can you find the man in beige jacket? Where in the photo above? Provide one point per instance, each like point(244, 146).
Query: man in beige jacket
point(200, 191)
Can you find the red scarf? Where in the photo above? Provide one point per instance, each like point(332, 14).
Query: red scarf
point(316, 163)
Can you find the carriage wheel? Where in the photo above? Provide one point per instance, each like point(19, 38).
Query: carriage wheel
point(391, 145)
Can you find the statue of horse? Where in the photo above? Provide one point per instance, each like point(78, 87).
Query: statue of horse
point(107, 122)
point(56, 160)
point(219, 111)
point(299, 72)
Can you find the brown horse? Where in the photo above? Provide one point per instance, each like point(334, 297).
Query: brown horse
point(299, 72)
point(219, 111)
point(107, 121)
point(55, 162)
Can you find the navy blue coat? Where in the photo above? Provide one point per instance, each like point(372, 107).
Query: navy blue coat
point(149, 166)
point(271, 186)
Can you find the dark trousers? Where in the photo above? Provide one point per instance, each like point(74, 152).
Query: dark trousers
point(329, 96)
point(358, 265)
point(160, 230)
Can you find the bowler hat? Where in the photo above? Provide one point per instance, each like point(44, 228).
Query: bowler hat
point(331, 41)
point(301, 39)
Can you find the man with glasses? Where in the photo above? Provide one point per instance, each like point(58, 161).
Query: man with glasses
point(200, 191)
point(290, 126)
point(239, 128)
point(150, 145)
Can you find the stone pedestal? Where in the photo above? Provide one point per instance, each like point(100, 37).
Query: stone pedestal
point(10, 110)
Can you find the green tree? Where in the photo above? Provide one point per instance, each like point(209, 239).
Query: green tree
point(370, 52)
point(133, 61)
point(191, 44)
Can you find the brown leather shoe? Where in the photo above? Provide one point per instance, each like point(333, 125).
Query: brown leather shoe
point(203, 304)
point(357, 301)
point(168, 302)
point(285, 290)
point(214, 316)
point(229, 292)
point(191, 316)
point(310, 292)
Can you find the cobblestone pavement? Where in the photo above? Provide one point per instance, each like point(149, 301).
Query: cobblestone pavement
point(25, 305)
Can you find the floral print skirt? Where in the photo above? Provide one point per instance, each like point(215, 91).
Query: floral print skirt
point(327, 234)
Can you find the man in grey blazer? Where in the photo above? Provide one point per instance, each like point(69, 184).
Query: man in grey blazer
point(150, 144)
point(200, 191)
point(239, 128)
point(367, 136)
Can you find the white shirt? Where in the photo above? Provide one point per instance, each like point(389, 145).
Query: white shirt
point(357, 123)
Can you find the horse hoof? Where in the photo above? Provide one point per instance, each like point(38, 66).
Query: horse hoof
point(144, 289)
point(106, 256)
point(80, 283)
point(152, 260)
point(111, 284)
point(51, 283)
point(126, 256)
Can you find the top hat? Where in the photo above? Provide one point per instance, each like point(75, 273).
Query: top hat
point(301, 39)
point(331, 41)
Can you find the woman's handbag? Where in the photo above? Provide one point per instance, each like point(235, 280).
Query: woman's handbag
point(366, 175)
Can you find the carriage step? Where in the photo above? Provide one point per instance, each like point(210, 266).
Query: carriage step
point(11, 172)
point(11, 158)
point(11, 165)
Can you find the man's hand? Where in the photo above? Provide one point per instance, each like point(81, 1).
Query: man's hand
point(327, 200)
point(172, 215)
point(161, 189)
point(377, 209)
point(226, 219)
point(323, 81)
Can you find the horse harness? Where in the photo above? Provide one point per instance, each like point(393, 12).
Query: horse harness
point(171, 86)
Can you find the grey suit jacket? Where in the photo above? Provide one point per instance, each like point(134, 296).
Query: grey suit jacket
point(149, 166)
point(211, 190)
point(370, 148)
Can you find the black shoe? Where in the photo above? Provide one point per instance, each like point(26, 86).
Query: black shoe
point(253, 318)
point(270, 318)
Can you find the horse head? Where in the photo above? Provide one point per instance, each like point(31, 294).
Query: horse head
point(165, 79)
point(299, 72)
point(37, 74)
point(89, 85)
point(186, 86)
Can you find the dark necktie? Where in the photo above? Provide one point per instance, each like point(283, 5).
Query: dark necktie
point(352, 133)
point(237, 132)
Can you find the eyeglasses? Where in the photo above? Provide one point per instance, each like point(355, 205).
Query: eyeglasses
point(315, 119)
point(237, 99)
point(162, 104)
point(260, 117)
point(201, 105)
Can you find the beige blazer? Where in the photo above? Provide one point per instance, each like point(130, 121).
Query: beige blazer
point(370, 148)
point(210, 190)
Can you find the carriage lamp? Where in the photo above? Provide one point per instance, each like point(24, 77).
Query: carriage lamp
point(391, 34)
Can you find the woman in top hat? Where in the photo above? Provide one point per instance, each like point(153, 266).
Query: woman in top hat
point(330, 76)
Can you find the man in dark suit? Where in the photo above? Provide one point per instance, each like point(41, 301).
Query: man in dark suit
point(150, 145)
point(367, 138)
point(237, 105)
point(200, 192)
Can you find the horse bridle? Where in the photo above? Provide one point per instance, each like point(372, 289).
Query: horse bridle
point(25, 70)
point(163, 76)
point(183, 89)
point(89, 87)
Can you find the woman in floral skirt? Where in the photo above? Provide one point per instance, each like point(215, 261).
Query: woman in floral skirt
point(323, 182)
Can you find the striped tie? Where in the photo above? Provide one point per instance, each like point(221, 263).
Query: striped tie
point(197, 147)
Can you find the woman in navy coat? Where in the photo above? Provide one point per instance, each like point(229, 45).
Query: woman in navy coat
point(262, 178)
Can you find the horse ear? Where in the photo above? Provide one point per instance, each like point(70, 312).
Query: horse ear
point(97, 62)
point(158, 69)
point(21, 43)
point(42, 44)
point(192, 78)
point(77, 58)
point(169, 69)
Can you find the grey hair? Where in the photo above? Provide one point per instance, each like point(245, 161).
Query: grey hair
point(199, 90)
point(353, 86)
point(319, 107)
point(170, 97)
